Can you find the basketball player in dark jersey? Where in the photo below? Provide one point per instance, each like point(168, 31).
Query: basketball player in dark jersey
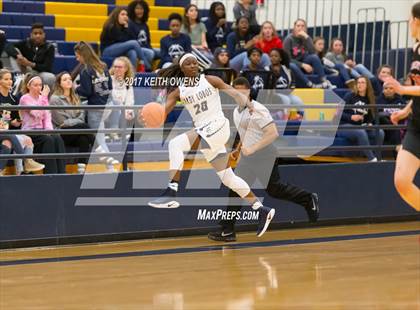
point(408, 159)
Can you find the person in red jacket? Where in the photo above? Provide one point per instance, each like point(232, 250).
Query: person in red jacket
point(268, 38)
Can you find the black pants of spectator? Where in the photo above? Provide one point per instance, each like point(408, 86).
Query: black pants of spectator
point(392, 136)
point(50, 144)
point(4, 150)
point(257, 166)
point(84, 142)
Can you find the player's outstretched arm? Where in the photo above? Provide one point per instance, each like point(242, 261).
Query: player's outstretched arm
point(171, 100)
point(240, 99)
point(403, 90)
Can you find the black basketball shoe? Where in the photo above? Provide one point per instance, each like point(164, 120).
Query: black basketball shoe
point(313, 208)
point(167, 200)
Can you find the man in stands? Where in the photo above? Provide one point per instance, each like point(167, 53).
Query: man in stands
point(35, 54)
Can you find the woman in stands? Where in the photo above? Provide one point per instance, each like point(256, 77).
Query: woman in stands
point(122, 92)
point(210, 134)
point(221, 61)
point(36, 94)
point(196, 30)
point(362, 95)
point(21, 144)
point(138, 13)
point(302, 53)
point(95, 86)
point(329, 66)
point(173, 45)
point(337, 56)
point(383, 73)
point(246, 8)
point(64, 94)
point(238, 42)
point(117, 41)
point(408, 159)
point(268, 38)
point(283, 77)
point(217, 26)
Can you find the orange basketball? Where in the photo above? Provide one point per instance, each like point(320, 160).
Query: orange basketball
point(153, 115)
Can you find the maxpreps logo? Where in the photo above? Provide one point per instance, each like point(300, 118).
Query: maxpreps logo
point(221, 215)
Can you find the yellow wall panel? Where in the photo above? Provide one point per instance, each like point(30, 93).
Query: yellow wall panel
point(76, 8)
point(164, 11)
point(83, 34)
point(81, 21)
point(126, 2)
point(1, 6)
point(153, 23)
point(314, 97)
point(156, 35)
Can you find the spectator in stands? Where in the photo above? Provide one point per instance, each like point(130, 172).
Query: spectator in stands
point(7, 98)
point(64, 94)
point(196, 30)
point(138, 13)
point(217, 26)
point(282, 77)
point(117, 41)
point(389, 96)
point(96, 87)
point(35, 94)
point(238, 42)
point(258, 76)
point(254, 55)
point(221, 58)
point(336, 55)
point(21, 144)
point(174, 44)
point(268, 38)
point(122, 93)
point(300, 47)
point(221, 61)
point(35, 54)
point(245, 8)
point(330, 67)
point(383, 72)
point(362, 96)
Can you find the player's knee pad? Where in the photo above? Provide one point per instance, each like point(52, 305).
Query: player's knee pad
point(177, 146)
point(235, 183)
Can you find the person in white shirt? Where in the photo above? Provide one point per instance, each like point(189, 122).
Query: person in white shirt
point(258, 161)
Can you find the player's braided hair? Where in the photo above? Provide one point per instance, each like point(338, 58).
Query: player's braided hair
point(173, 71)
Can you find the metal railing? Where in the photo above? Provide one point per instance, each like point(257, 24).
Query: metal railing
point(399, 25)
point(366, 11)
point(125, 154)
point(323, 15)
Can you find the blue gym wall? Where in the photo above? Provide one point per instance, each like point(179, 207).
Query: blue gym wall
point(43, 207)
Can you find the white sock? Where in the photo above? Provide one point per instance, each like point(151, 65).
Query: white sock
point(173, 186)
point(177, 146)
point(256, 205)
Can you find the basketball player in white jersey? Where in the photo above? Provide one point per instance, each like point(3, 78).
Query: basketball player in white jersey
point(211, 132)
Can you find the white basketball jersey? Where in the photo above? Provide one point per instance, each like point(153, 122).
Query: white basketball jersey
point(202, 102)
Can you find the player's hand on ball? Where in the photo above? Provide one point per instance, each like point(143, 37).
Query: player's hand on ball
point(234, 155)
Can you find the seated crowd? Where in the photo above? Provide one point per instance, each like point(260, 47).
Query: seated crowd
point(243, 48)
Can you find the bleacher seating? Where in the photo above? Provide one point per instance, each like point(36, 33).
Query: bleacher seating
point(59, 16)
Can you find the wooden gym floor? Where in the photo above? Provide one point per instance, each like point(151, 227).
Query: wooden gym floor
point(373, 266)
